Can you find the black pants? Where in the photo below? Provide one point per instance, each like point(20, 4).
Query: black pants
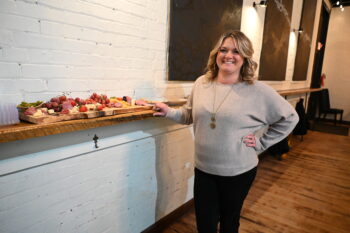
point(220, 199)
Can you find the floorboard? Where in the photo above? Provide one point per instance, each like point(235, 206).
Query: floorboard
point(308, 192)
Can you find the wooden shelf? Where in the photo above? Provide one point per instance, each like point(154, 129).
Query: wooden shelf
point(27, 130)
point(298, 91)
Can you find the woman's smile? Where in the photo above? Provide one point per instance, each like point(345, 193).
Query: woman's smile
point(228, 58)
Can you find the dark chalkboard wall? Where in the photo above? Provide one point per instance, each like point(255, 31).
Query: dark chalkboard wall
point(195, 26)
point(304, 40)
point(274, 53)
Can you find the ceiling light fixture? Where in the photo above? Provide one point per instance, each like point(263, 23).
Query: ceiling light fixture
point(261, 3)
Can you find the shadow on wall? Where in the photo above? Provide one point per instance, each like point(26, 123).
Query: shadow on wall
point(174, 164)
point(174, 170)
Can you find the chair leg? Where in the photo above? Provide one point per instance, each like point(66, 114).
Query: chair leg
point(335, 119)
point(341, 117)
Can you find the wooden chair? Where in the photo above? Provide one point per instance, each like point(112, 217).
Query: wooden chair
point(325, 108)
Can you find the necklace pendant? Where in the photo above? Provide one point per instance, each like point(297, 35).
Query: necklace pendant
point(213, 119)
point(212, 125)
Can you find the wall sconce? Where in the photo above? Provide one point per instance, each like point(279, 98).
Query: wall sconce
point(300, 30)
point(261, 3)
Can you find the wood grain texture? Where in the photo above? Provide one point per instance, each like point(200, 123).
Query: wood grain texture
point(298, 91)
point(46, 119)
point(308, 192)
point(173, 216)
point(26, 130)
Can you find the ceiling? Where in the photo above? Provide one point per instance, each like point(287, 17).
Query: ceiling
point(343, 2)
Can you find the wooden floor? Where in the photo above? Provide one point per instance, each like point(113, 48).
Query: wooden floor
point(309, 191)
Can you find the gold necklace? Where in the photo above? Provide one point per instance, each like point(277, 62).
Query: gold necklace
point(213, 114)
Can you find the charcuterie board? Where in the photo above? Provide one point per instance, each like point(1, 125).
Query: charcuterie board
point(45, 119)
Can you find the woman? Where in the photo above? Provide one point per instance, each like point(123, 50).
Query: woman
point(227, 107)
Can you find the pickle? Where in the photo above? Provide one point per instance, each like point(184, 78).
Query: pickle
point(24, 104)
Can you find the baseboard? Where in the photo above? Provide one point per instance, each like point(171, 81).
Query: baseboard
point(170, 218)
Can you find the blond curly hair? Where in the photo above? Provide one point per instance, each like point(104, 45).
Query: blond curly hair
point(245, 49)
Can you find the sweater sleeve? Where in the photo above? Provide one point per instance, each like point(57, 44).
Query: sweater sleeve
point(182, 115)
point(280, 117)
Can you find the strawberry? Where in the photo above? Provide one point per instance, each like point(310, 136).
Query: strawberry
point(100, 107)
point(83, 108)
point(65, 111)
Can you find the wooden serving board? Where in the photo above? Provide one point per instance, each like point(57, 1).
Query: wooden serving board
point(81, 115)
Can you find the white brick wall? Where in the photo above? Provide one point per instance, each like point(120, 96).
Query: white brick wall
point(117, 47)
point(79, 47)
point(132, 179)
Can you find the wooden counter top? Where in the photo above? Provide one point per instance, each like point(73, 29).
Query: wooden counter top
point(298, 91)
point(25, 130)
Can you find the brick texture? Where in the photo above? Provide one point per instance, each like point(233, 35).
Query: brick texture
point(82, 47)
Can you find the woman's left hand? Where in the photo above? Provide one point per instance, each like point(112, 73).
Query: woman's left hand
point(249, 140)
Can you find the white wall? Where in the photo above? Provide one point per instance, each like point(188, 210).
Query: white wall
point(62, 183)
point(336, 64)
point(142, 170)
point(115, 47)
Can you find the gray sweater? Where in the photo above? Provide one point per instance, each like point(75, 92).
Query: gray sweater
point(247, 109)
